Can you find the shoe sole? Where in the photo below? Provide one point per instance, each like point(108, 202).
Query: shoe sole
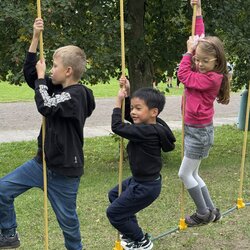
point(10, 247)
point(16, 245)
point(218, 220)
point(149, 247)
point(199, 225)
point(202, 224)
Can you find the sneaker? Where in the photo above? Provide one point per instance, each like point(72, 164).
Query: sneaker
point(218, 216)
point(200, 219)
point(8, 242)
point(124, 239)
point(144, 243)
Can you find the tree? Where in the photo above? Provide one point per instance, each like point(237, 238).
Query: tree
point(156, 39)
point(89, 24)
point(229, 19)
point(156, 33)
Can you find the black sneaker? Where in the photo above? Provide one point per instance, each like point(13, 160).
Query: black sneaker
point(9, 242)
point(144, 244)
point(218, 216)
point(200, 219)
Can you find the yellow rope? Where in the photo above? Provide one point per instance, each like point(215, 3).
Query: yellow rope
point(39, 14)
point(240, 203)
point(122, 37)
point(123, 104)
point(182, 224)
point(46, 237)
point(194, 19)
point(117, 243)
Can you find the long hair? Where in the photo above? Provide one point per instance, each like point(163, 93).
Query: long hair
point(213, 46)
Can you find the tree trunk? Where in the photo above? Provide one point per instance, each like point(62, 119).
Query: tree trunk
point(140, 66)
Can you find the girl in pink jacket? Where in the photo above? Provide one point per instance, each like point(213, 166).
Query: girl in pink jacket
point(203, 71)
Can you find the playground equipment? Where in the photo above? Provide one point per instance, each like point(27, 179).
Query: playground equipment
point(240, 201)
point(182, 224)
point(117, 242)
point(45, 191)
point(242, 112)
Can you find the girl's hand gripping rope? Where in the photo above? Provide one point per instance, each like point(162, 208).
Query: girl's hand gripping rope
point(195, 2)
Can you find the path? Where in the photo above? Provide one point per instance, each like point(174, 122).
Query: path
point(20, 120)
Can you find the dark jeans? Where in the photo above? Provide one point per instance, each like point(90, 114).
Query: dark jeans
point(135, 196)
point(62, 193)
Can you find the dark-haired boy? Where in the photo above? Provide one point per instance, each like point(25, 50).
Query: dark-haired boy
point(147, 135)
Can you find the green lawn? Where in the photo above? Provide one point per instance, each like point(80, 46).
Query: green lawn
point(220, 171)
point(13, 93)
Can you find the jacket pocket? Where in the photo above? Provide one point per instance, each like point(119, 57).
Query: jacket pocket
point(53, 148)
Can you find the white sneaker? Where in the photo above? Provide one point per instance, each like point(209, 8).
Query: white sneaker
point(144, 244)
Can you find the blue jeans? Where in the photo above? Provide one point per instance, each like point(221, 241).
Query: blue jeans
point(62, 193)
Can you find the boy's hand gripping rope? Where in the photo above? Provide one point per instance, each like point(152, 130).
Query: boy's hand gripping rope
point(46, 236)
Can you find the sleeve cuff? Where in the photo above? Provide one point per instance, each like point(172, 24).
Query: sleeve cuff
point(116, 110)
point(39, 82)
point(31, 56)
point(188, 54)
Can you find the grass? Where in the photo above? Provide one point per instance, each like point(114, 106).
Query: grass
point(14, 93)
point(220, 171)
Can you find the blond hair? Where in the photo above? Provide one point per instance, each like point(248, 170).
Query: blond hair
point(74, 57)
point(213, 46)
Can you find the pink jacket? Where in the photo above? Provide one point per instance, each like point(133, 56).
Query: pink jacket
point(201, 89)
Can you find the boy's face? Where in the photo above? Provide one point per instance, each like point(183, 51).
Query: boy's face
point(140, 113)
point(58, 71)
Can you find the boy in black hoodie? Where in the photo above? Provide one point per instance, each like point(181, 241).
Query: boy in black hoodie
point(147, 135)
point(65, 104)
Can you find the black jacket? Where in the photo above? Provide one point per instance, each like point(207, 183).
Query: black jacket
point(145, 144)
point(65, 111)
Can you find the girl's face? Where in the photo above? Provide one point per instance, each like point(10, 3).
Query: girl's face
point(140, 113)
point(204, 62)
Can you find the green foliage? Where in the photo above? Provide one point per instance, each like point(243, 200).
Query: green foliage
point(88, 24)
point(166, 30)
point(95, 26)
point(229, 19)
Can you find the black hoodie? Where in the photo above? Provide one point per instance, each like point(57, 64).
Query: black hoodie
point(65, 111)
point(145, 144)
